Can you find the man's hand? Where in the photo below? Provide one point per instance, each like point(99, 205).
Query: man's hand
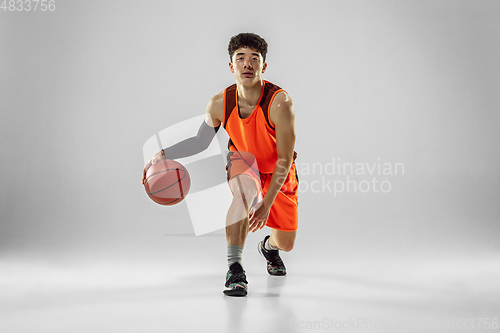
point(156, 157)
point(258, 216)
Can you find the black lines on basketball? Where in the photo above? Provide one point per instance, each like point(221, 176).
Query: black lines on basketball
point(167, 183)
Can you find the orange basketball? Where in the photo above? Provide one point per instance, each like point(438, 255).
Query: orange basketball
point(167, 182)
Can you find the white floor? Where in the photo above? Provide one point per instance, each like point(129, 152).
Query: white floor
point(423, 294)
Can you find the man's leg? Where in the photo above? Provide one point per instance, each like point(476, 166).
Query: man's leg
point(283, 215)
point(270, 246)
point(244, 192)
point(283, 240)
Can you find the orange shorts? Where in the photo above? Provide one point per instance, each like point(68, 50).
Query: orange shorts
point(284, 211)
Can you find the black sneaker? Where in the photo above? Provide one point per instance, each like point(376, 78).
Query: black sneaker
point(275, 265)
point(236, 281)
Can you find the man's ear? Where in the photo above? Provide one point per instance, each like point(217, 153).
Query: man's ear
point(231, 67)
point(264, 67)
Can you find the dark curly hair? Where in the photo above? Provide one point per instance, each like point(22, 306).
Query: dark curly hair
point(249, 40)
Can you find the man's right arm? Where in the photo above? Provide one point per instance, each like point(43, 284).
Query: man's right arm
point(198, 143)
point(193, 145)
point(206, 133)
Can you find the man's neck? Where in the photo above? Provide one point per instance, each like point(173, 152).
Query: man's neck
point(249, 95)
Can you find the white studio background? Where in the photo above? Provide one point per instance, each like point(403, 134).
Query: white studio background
point(411, 82)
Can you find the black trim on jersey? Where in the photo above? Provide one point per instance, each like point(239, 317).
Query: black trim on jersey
point(229, 164)
point(265, 102)
point(230, 102)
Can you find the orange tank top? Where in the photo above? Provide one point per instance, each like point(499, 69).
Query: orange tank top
point(254, 134)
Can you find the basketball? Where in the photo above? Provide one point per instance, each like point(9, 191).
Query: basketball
point(167, 182)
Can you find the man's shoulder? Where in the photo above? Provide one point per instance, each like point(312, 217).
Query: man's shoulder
point(215, 106)
point(282, 97)
point(218, 100)
point(277, 93)
point(281, 108)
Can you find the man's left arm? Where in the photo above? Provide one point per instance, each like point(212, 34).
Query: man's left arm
point(282, 115)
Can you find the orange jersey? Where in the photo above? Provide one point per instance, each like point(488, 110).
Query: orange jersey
point(256, 133)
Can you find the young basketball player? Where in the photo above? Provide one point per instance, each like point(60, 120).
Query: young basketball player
point(259, 119)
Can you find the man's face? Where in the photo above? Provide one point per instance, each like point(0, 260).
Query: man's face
point(247, 65)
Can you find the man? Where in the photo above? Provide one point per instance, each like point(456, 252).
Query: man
point(259, 119)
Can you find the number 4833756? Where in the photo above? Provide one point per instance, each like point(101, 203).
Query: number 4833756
point(28, 5)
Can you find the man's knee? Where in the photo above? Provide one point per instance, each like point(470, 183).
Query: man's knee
point(287, 247)
point(284, 244)
point(285, 241)
point(244, 189)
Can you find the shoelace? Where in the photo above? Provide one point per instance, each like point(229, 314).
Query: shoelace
point(274, 258)
point(276, 261)
point(237, 277)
